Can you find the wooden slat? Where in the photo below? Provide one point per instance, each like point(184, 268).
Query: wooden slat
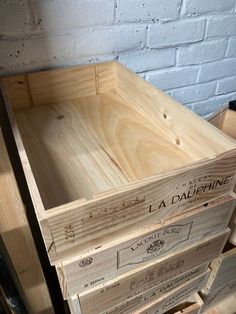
point(17, 91)
point(106, 78)
point(142, 278)
point(192, 305)
point(174, 118)
point(217, 118)
point(140, 206)
point(225, 306)
point(218, 295)
point(229, 124)
point(157, 292)
point(17, 237)
point(57, 138)
point(171, 299)
point(62, 84)
point(114, 258)
point(223, 269)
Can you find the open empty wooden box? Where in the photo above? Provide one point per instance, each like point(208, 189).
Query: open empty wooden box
point(192, 305)
point(104, 152)
point(225, 120)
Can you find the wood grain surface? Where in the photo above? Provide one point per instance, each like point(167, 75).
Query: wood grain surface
point(113, 258)
point(142, 278)
point(16, 235)
point(93, 138)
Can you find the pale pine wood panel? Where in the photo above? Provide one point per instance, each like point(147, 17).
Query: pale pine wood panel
point(17, 91)
point(225, 306)
point(67, 159)
point(137, 281)
point(201, 140)
point(137, 145)
point(128, 210)
point(171, 299)
point(18, 240)
point(218, 295)
point(229, 124)
point(117, 256)
point(62, 84)
point(192, 305)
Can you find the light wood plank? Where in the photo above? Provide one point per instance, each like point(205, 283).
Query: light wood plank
point(223, 269)
point(138, 207)
point(142, 278)
point(72, 162)
point(218, 295)
point(116, 257)
point(229, 124)
point(225, 306)
point(17, 91)
point(174, 118)
point(192, 305)
point(17, 237)
point(161, 305)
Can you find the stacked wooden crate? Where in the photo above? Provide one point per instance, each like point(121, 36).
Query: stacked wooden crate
point(133, 192)
point(222, 280)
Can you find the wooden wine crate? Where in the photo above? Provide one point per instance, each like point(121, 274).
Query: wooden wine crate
point(217, 295)
point(156, 292)
point(74, 305)
point(115, 258)
point(225, 119)
point(192, 305)
point(168, 301)
point(134, 283)
point(223, 269)
point(226, 306)
point(104, 153)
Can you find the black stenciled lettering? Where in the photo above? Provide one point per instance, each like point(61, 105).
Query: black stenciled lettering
point(69, 232)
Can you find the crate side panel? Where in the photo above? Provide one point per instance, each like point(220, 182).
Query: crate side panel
point(180, 294)
point(17, 92)
point(141, 205)
point(158, 291)
point(116, 258)
point(164, 111)
point(131, 284)
point(61, 85)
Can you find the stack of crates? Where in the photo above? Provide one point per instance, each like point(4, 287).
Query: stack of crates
point(133, 192)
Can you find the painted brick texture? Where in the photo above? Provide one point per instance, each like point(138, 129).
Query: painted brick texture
point(185, 47)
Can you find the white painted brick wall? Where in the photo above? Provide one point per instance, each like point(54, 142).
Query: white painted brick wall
point(14, 17)
point(147, 10)
point(226, 85)
point(221, 26)
point(190, 7)
point(196, 92)
point(149, 59)
point(231, 52)
point(185, 47)
point(216, 70)
point(173, 77)
point(204, 51)
point(175, 33)
point(61, 14)
point(111, 39)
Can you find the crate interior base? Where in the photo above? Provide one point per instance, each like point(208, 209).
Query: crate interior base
point(90, 130)
point(81, 146)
